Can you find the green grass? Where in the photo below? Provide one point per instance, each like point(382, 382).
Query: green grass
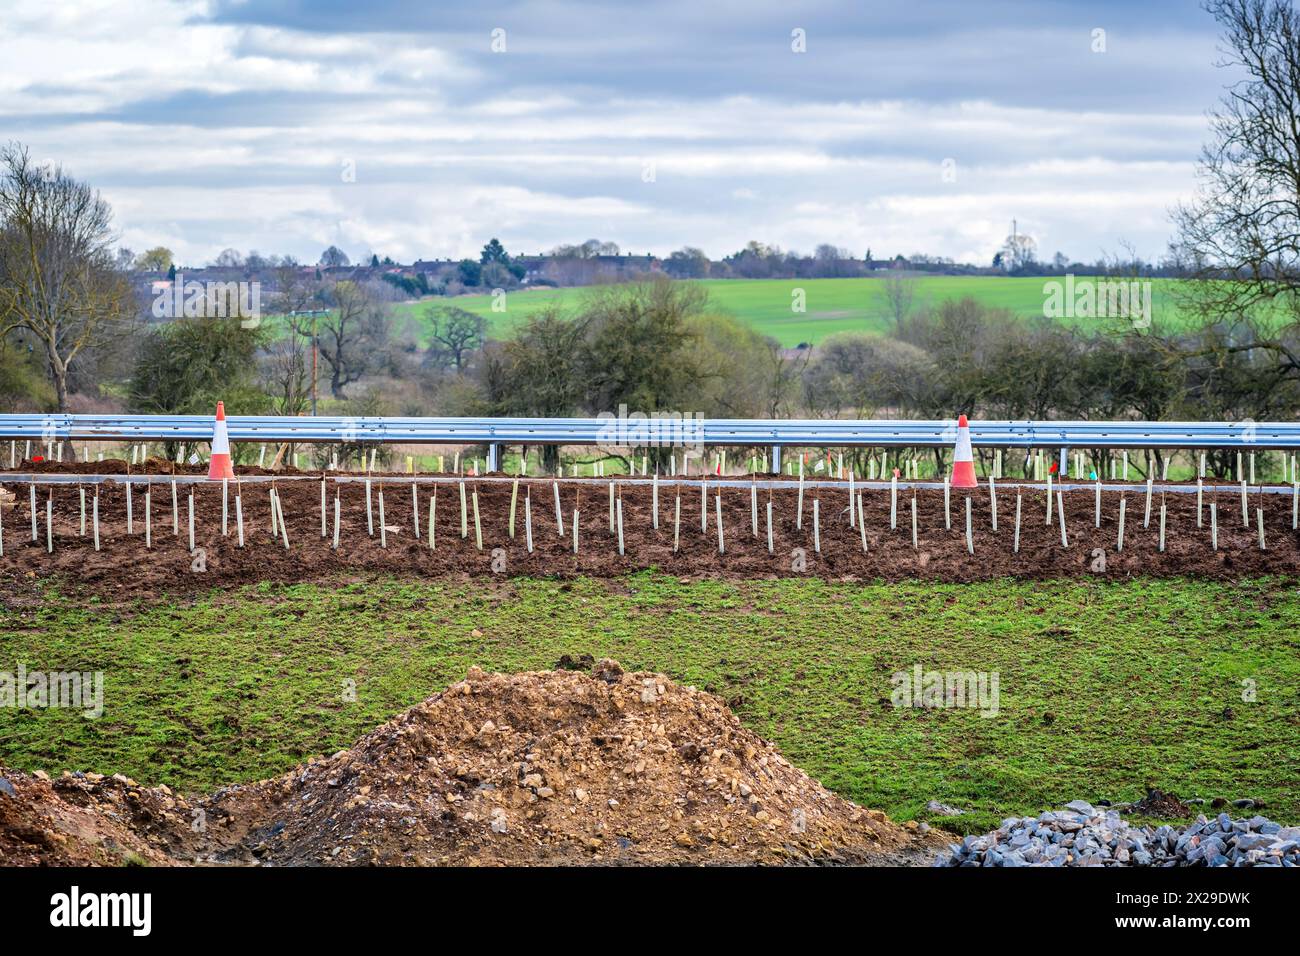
point(832, 305)
point(1104, 686)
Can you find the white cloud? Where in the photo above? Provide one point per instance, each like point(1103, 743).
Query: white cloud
point(207, 133)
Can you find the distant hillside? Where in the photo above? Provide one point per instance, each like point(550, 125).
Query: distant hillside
point(832, 305)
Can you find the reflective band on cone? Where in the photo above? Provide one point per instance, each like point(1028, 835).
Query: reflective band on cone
point(963, 459)
point(219, 467)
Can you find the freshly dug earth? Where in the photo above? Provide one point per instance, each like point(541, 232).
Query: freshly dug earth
point(554, 767)
point(124, 564)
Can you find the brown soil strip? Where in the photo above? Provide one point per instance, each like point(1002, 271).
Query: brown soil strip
point(125, 567)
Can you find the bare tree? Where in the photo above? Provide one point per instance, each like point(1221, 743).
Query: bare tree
point(287, 364)
point(1244, 224)
point(1245, 221)
point(898, 291)
point(352, 333)
point(58, 278)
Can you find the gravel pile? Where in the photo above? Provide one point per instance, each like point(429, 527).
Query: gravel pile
point(1083, 835)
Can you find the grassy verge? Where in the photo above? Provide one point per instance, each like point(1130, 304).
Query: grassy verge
point(1104, 687)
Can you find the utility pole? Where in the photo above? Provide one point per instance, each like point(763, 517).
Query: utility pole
point(315, 350)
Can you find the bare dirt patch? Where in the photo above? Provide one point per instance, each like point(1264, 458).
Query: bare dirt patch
point(125, 568)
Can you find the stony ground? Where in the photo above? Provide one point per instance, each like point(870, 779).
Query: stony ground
point(1084, 835)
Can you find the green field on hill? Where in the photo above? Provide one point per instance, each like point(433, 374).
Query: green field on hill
point(832, 305)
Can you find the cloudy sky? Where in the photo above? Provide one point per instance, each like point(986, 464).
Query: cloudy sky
point(418, 131)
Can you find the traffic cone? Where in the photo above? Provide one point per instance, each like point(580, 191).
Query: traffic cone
point(219, 465)
point(963, 459)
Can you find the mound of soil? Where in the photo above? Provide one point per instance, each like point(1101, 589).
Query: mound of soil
point(554, 767)
point(125, 565)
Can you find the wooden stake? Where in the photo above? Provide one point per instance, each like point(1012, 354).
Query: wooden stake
point(1119, 541)
point(654, 500)
point(433, 517)
point(1060, 511)
point(370, 509)
point(852, 498)
point(1016, 546)
point(770, 549)
point(478, 525)
point(1162, 523)
point(464, 511)
point(528, 519)
point(514, 499)
point(798, 518)
point(559, 515)
point(970, 534)
point(862, 524)
point(619, 508)
point(284, 530)
point(893, 502)
point(415, 512)
point(677, 519)
point(993, 502)
point(817, 531)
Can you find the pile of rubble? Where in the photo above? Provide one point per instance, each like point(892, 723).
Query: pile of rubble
point(1083, 835)
point(555, 767)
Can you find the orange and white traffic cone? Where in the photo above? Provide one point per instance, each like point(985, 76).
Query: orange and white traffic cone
point(219, 466)
point(963, 459)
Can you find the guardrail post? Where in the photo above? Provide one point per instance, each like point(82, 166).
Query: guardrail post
point(776, 459)
point(494, 457)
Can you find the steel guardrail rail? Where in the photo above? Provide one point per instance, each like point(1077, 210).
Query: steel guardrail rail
point(626, 432)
